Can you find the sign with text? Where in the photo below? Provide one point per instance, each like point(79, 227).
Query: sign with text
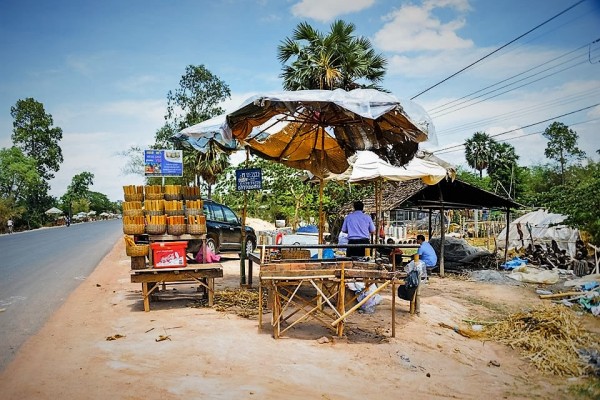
point(248, 179)
point(163, 162)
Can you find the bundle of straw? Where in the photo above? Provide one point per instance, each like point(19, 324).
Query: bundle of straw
point(550, 337)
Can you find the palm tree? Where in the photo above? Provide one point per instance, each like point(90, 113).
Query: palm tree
point(478, 150)
point(335, 60)
point(210, 165)
point(502, 166)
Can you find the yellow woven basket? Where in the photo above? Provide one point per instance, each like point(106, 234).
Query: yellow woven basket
point(156, 229)
point(137, 250)
point(196, 229)
point(176, 230)
point(133, 229)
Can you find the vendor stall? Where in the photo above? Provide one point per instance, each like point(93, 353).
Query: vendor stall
point(301, 290)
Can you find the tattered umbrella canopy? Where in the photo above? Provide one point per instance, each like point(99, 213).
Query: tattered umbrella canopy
point(327, 123)
point(318, 130)
point(53, 211)
point(202, 135)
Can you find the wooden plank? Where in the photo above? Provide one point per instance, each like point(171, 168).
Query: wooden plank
point(297, 274)
point(176, 276)
point(361, 273)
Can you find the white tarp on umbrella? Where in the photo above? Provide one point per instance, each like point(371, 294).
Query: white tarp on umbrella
point(543, 227)
point(367, 166)
point(200, 136)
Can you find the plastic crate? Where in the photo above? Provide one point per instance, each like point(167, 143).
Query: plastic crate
point(169, 254)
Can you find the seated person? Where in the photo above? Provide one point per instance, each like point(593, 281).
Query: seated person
point(426, 253)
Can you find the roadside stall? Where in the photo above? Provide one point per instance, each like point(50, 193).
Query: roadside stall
point(317, 130)
point(165, 219)
point(303, 289)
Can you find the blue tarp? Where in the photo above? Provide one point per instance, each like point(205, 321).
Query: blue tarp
point(308, 229)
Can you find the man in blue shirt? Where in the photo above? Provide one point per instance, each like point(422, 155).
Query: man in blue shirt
point(426, 252)
point(359, 227)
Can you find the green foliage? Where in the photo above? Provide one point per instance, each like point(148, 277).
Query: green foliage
point(197, 98)
point(579, 200)
point(478, 151)
point(34, 135)
point(287, 194)
point(503, 170)
point(562, 145)
point(100, 203)
point(471, 178)
point(18, 175)
point(335, 60)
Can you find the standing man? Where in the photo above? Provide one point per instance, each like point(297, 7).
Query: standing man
point(359, 227)
point(426, 253)
point(9, 223)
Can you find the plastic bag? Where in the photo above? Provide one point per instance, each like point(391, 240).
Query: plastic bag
point(412, 279)
point(369, 306)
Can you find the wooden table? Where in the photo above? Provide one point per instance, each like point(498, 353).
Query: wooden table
point(203, 274)
point(284, 279)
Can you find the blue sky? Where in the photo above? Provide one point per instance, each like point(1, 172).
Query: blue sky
point(103, 69)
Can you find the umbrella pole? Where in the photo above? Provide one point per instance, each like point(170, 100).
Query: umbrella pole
point(321, 216)
point(243, 252)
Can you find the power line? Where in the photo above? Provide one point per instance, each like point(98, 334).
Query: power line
point(522, 111)
point(498, 49)
point(523, 127)
point(448, 105)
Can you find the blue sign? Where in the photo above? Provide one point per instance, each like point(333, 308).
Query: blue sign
point(248, 179)
point(163, 163)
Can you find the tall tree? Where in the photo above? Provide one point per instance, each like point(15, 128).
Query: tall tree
point(329, 61)
point(562, 146)
point(34, 134)
point(78, 189)
point(478, 150)
point(197, 99)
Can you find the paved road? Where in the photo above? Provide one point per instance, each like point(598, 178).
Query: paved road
point(38, 271)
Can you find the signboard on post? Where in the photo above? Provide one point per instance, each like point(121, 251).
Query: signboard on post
point(163, 162)
point(248, 179)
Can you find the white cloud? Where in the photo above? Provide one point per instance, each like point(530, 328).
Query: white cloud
point(326, 10)
point(416, 28)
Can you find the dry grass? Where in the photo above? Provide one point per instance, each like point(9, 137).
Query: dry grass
point(551, 337)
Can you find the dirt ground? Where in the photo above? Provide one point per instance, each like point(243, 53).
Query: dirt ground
point(220, 355)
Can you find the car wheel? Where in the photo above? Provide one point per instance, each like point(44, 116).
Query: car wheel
point(249, 246)
point(211, 245)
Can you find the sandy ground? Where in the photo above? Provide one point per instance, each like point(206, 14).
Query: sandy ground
point(220, 355)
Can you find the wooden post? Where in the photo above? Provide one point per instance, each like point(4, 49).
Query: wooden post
point(393, 296)
point(260, 305)
point(507, 232)
point(342, 301)
point(146, 296)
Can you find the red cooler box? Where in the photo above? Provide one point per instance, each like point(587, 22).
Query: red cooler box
point(169, 254)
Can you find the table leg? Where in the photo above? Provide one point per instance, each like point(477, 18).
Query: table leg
point(260, 301)
point(393, 308)
point(211, 291)
point(146, 296)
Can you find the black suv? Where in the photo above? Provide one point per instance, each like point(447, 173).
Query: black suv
point(224, 231)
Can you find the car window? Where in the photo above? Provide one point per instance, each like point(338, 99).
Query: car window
point(215, 212)
point(230, 216)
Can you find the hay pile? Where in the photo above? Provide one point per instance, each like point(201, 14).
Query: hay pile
point(243, 302)
point(551, 338)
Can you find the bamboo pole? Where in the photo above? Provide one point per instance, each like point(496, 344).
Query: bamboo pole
point(360, 303)
point(341, 301)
